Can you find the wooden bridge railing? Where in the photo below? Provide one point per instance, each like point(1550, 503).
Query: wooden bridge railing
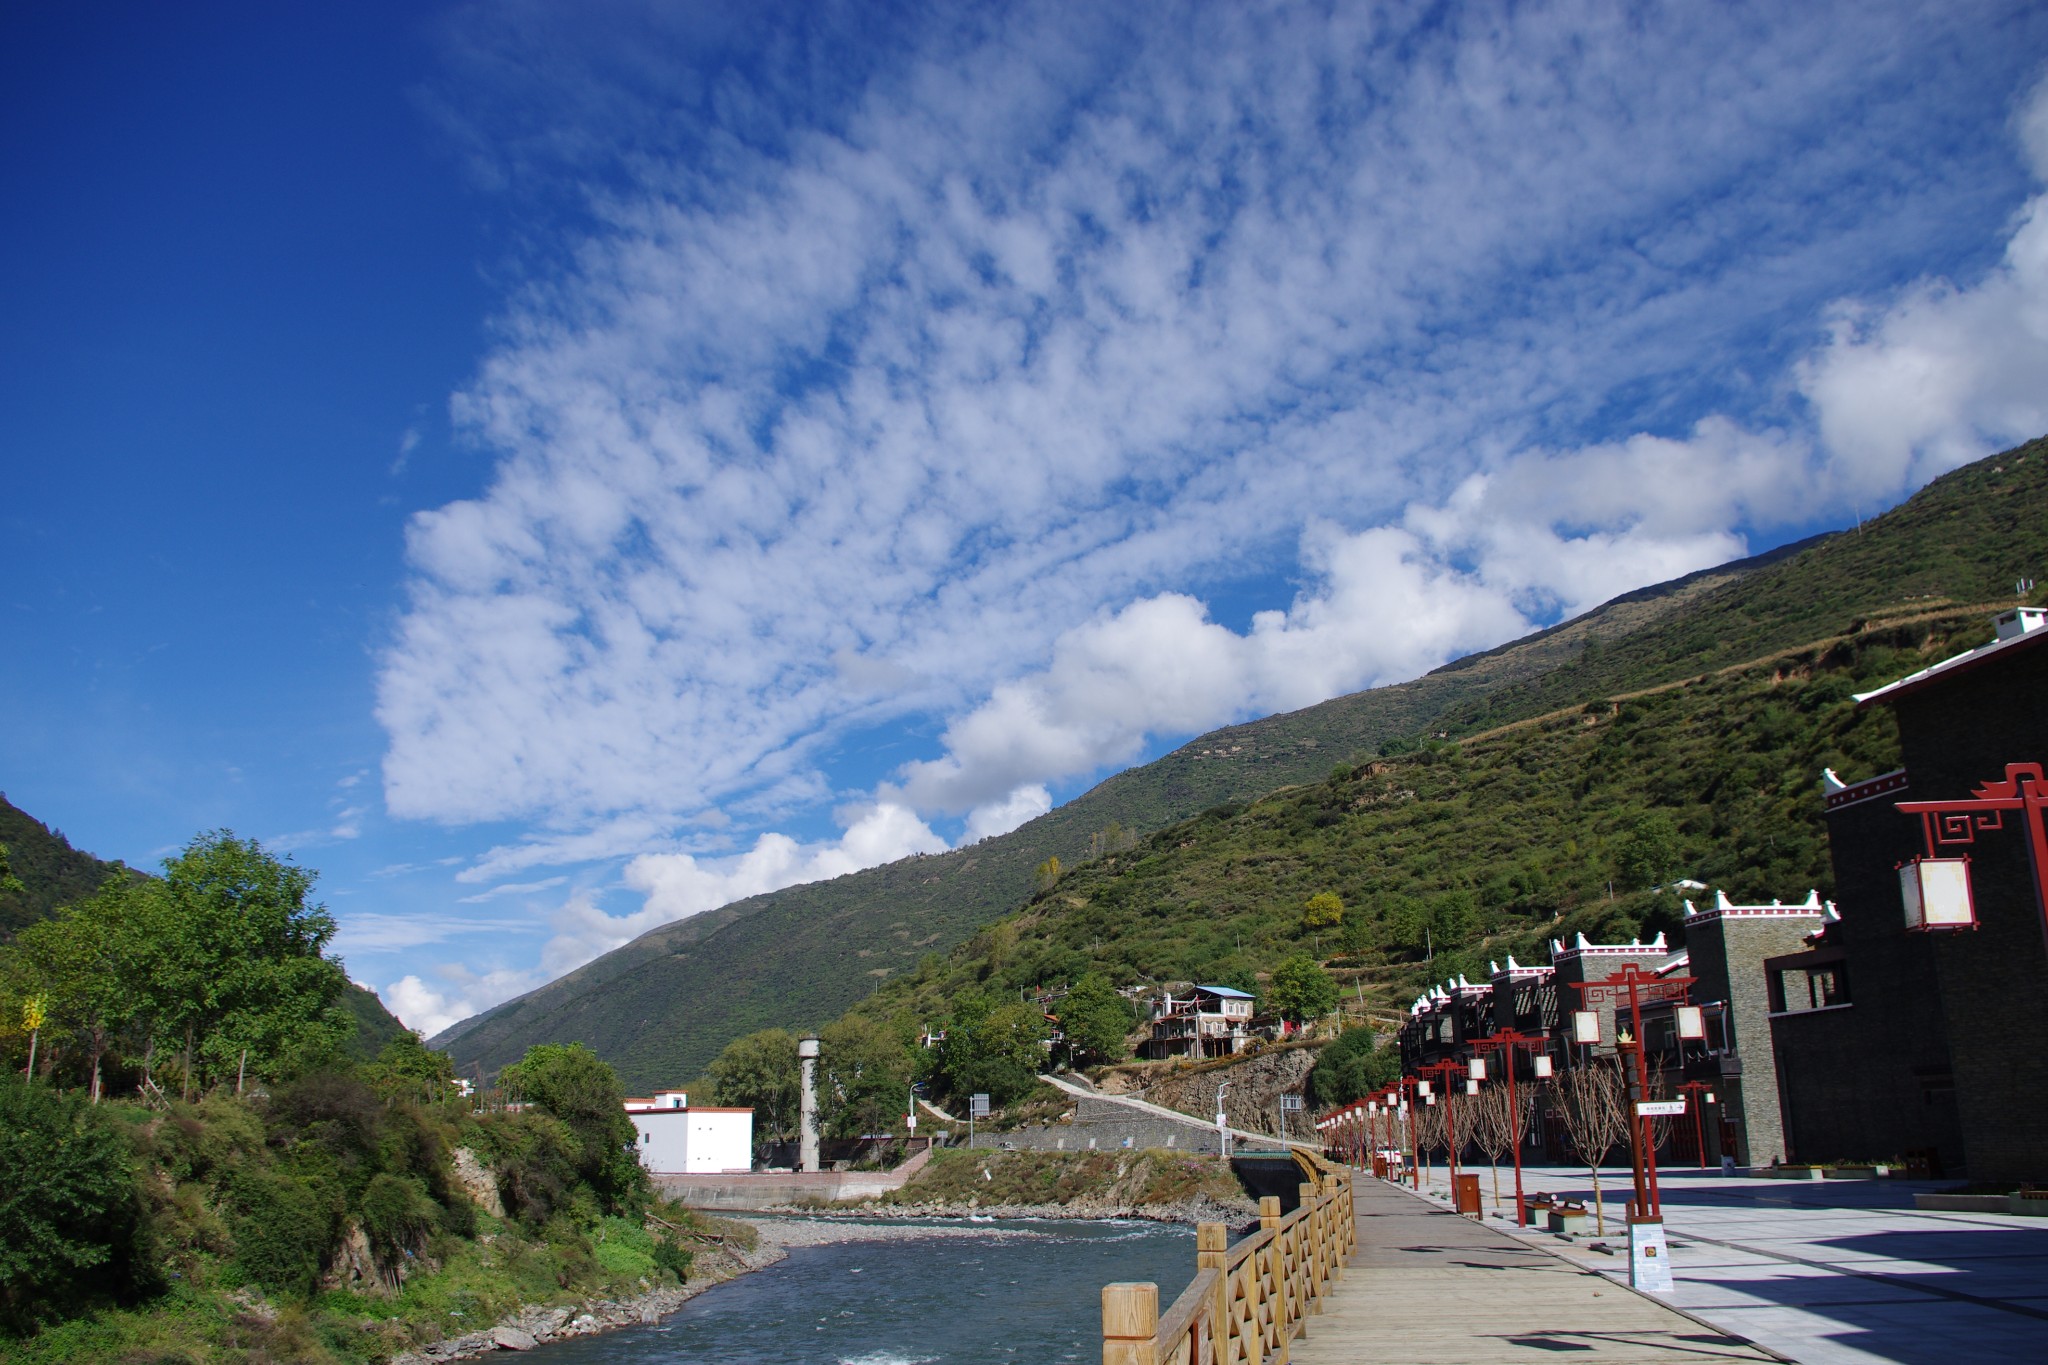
point(1247, 1302)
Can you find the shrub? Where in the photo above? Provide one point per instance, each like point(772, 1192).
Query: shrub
point(284, 1226)
point(672, 1256)
point(398, 1215)
point(70, 1223)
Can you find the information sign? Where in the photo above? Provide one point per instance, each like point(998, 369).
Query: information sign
point(1660, 1109)
point(1649, 1264)
point(977, 1105)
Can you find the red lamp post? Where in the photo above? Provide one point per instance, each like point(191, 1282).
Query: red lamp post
point(1443, 1071)
point(1637, 986)
point(1509, 1042)
point(1407, 1089)
point(1699, 1095)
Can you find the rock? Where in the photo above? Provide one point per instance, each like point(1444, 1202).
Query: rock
point(512, 1339)
point(478, 1182)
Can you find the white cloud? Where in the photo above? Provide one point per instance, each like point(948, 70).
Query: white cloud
point(991, 818)
point(945, 391)
point(678, 885)
point(514, 889)
point(429, 1009)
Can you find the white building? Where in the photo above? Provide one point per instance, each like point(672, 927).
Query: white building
point(676, 1138)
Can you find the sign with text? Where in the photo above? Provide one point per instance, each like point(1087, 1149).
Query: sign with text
point(1660, 1109)
point(977, 1105)
point(1649, 1261)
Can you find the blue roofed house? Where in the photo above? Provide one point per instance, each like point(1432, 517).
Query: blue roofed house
point(1209, 1021)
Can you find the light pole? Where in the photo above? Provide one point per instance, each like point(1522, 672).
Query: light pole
point(1222, 1124)
point(1637, 986)
point(1700, 1094)
point(1443, 1071)
point(1509, 1042)
point(1407, 1089)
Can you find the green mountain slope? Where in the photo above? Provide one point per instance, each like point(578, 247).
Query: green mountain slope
point(659, 1008)
point(54, 874)
point(1459, 854)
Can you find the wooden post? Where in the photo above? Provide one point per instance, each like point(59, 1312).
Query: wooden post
point(1272, 1280)
point(1130, 1320)
point(1212, 1252)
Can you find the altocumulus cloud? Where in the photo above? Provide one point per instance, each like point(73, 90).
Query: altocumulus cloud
point(948, 396)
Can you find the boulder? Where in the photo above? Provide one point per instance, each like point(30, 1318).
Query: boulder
point(512, 1339)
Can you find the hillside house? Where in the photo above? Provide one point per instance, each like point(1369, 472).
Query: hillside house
point(1209, 1021)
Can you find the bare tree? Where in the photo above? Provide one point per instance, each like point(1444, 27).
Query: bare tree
point(1491, 1129)
point(1593, 1104)
point(1429, 1133)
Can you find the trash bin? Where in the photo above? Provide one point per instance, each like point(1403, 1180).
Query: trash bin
point(1467, 1195)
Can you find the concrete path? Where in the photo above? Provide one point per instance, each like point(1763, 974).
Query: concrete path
point(1160, 1111)
point(1839, 1272)
point(1430, 1287)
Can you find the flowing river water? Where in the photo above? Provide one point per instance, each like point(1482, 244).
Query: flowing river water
point(1024, 1291)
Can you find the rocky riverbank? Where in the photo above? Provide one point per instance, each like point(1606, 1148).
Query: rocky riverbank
point(1202, 1208)
point(531, 1327)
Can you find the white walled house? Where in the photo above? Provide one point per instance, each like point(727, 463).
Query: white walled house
point(678, 1139)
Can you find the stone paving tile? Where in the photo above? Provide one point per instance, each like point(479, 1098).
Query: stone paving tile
point(1840, 1273)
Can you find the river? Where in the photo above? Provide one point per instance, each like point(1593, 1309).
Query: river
point(1027, 1291)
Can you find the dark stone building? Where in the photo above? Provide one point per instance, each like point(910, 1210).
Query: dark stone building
point(1892, 1039)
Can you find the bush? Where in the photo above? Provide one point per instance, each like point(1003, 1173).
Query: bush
point(284, 1226)
point(672, 1256)
point(398, 1216)
point(70, 1223)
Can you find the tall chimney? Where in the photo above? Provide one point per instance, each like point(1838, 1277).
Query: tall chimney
point(807, 1132)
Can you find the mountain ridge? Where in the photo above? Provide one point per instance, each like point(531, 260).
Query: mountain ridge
point(660, 1006)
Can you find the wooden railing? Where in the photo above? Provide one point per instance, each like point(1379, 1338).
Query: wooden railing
point(1247, 1302)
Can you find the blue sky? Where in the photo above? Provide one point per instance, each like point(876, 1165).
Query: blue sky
point(559, 468)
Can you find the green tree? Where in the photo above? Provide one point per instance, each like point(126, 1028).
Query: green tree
point(991, 1049)
point(578, 1087)
point(8, 881)
point(759, 1072)
point(1323, 910)
point(1046, 875)
point(236, 961)
point(70, 1224)
point(1096, 1021)
point(865, 1085)
point(1352, 1067)
point(1302, 990)
point(1647, 855)
point(91, 968)
point(407, 1066)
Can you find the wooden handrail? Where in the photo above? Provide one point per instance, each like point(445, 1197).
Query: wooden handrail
point(1256, 1293)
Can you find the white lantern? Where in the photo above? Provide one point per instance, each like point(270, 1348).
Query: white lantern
point(1471, 1087)
point(1429, 1099)
point(1477, 1068)
point(1710, 1098)
point(1585, 1026)
point(1692, 1023)
point(1542, 1061)
point(1937, 893)
point(1422, 1089)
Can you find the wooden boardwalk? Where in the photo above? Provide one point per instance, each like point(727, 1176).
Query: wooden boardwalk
point(1427, 1285)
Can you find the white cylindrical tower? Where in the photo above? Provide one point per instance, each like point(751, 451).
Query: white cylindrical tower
point(807, 1130)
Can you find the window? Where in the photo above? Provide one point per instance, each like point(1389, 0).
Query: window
point(1799, 989)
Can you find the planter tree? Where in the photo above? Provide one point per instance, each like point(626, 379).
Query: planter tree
point(1592, 1103)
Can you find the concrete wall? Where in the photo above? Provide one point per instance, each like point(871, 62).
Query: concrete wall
point(772, 1190)
point(1101, 1125)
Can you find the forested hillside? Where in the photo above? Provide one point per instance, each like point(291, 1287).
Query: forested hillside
point(1453, 855)
point(662, 1006)
point(52, 874)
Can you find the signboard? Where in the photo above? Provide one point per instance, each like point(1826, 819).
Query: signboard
point(977, 1106)
point(1290, 1102)
point(1649, 1261)
point(1660, 1109)
point(911, 1122)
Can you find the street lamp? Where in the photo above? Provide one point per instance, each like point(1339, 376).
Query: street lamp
point(1510, 1041)
point(1444, 1070)
point(1701, 1094)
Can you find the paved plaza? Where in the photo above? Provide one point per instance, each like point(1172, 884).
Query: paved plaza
point(1830, 1272)
point(1427, 1287)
